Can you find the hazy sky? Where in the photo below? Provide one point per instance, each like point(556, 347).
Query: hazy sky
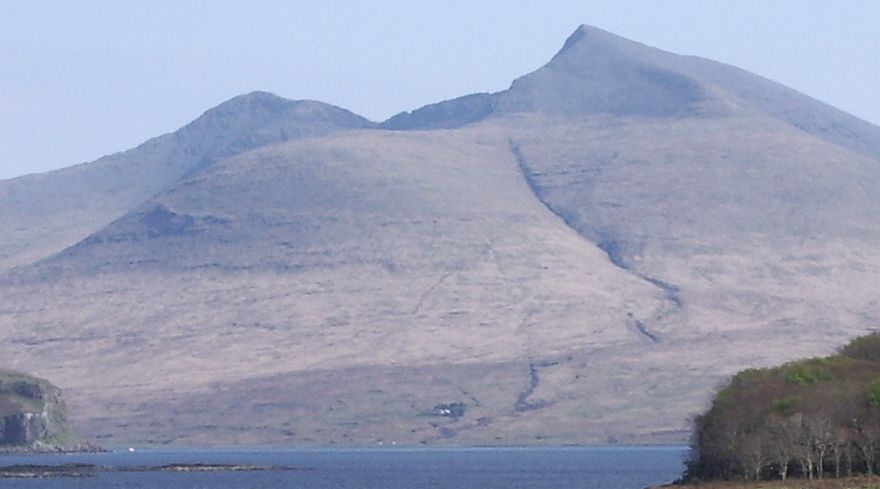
point(80, 79)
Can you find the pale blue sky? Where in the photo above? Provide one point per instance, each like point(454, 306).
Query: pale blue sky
point(80, 79)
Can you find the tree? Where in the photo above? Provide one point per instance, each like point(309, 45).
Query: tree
point(783, 433)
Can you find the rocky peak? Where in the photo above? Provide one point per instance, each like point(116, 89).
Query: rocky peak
point(597, 72)
point(259, 109)
point(586, 36)
point(252, 99)
point(258, 119)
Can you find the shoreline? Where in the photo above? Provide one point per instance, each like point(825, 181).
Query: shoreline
point(354, 447)
point(864, 482)
point(41, 471)
point(49, 450)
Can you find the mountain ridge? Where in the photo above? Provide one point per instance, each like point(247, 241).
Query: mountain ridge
point(96, 193)
point(864, 138)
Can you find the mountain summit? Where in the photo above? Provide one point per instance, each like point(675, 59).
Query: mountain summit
point(262, 118)
point(597, 72)
point(579, 258)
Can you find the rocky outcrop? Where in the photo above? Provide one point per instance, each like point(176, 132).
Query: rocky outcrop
point(31, 414)
point(452, 410)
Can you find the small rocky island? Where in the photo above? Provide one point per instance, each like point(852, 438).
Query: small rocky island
point(32, 416)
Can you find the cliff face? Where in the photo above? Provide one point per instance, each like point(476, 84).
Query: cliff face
point(24, 428)
point(31, 413)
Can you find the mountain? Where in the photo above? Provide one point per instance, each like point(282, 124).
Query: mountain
point(581, 257)
point(43, 214)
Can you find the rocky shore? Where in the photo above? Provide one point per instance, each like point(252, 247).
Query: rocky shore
point(38, 447)
point(32, 417)
point(29, 471)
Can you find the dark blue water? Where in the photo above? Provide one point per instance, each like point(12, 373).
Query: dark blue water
point(458, 468)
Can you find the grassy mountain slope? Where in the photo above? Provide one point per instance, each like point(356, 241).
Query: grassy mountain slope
point(362, 252)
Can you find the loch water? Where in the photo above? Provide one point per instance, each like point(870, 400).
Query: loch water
point(611, 467)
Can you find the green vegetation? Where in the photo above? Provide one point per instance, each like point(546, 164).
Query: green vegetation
point(20, 393)
point(31, 413)
point(813, 419)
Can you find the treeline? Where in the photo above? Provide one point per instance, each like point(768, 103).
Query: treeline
point(813, 418)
